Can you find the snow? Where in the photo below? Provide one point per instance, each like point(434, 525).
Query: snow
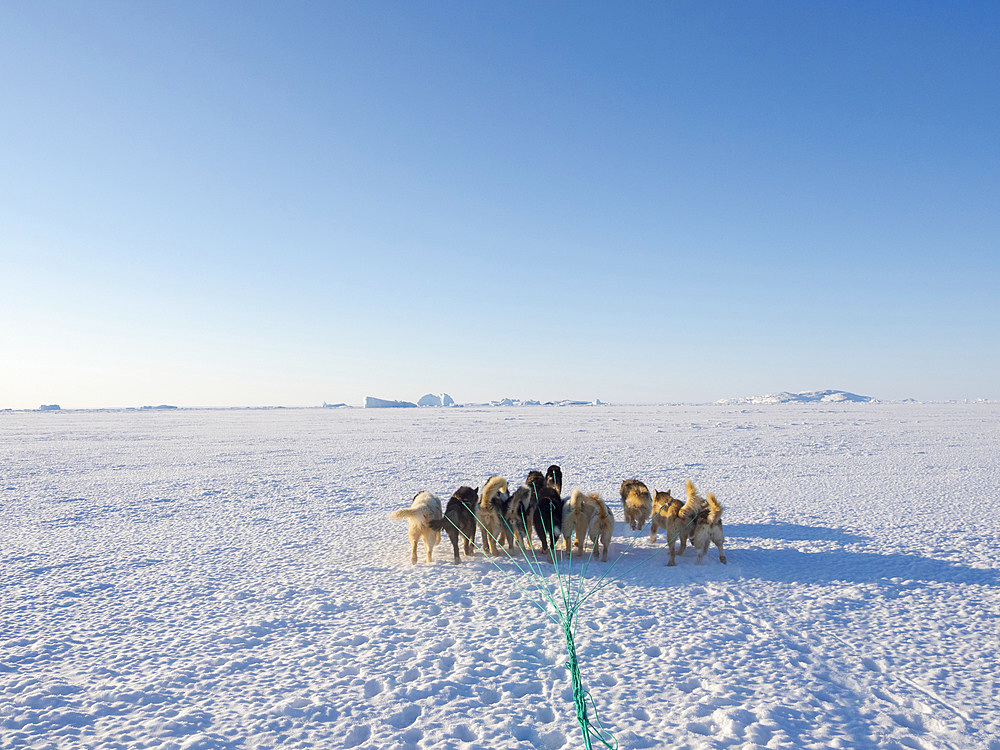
point(230, 579)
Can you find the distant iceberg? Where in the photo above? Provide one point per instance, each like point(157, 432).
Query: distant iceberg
point(803, 397)
point(529, 402)
point(380, 403)
point(433, 399)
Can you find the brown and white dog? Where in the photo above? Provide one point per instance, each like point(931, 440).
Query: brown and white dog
point(425, 508)
point(708, 528)
point(636, 502)
point(677, 519)
point(492, 508)
point(602, 527)
point(520, 518)
point(663, 511)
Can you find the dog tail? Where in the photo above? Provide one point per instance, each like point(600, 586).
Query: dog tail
point(441, 524)
point(714, 509)
point(493, 487)
point(602, 508)
point(694, 503)
point(407, 513)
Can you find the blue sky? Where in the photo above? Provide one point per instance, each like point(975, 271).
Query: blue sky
point(230, 204)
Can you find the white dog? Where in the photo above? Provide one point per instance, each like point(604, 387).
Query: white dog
point(425, 508)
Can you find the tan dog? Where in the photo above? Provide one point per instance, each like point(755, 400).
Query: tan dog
point(602, 527)
point(636, 502)
point(577, 514)
point(661, 513)
point(708, 529)
point(490, 513)
point(678, 519)
point(425, 508)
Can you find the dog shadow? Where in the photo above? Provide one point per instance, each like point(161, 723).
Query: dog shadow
point(845, 566)
point(790, 565)
point(792, 532)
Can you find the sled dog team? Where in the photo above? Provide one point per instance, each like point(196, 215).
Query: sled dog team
point(508, 519)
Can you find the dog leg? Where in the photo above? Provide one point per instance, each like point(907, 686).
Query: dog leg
point(719, 540)
point(672, 560)
point(701, 552)
point(414, 538)
point(430, 541)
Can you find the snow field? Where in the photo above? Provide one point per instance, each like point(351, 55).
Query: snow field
point(222, 579)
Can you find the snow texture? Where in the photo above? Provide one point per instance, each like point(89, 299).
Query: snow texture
point(230, 579)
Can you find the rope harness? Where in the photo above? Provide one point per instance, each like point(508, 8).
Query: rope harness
point(561, 605)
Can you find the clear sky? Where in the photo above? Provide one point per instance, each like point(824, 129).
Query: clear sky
point(250, 203)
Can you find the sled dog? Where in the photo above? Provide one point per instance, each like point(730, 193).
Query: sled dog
point(425, 508)
point(636, 503)
point(577, 514)
point(677, 519)
point(521, 510)
point(548, 518)
point(491, 513)
point(602, 527)
point(708, 528)
point(459, 520)
point(553, 478)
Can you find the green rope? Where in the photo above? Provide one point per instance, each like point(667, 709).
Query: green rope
point(565, 615)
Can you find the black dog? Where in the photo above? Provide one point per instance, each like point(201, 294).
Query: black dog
point(548, 518)
point(460, 519)
point(553, 478)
